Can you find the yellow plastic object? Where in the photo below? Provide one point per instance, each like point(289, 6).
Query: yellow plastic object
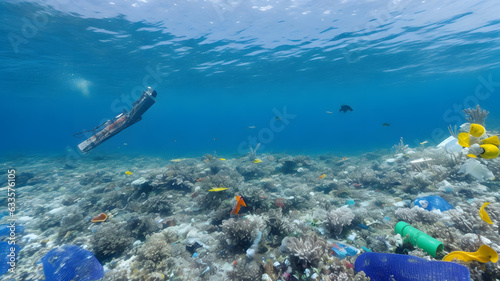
point(463, 139)
point(476, 130)
point(257, 161)
point(484, 254)
point(128, 173)
point(492, 140)
point(471, 155)
point(482, 213)
point(490, 151)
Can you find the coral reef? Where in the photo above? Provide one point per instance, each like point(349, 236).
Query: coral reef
point(239, 233)
point(305, 251)
point(416, 214)
point(476, 115)
point(109, 240)
point(337, 219)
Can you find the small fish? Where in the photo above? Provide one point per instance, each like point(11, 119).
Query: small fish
point(217, 189)
point(277, 118)
point(251, 127)
point(257, 161)
point(344, 108)
point(125, 143)
point(200, 179)
point(177, 160)
point(322, 176)
point(237, 206)
point(482, 213)
point(424, 142)
point(216, 138)
point(329, 112)
point(385, 124)
point(222, 159)
point(128, 173)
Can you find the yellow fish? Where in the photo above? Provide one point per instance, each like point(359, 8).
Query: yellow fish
point(128, 173)
point(257, 161)
point(177, 160)
point(322, 176)
point(482, 213)
point(218, 189)
point(222, 159)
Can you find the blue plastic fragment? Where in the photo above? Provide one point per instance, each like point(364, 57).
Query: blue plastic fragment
point(366, 249)
point(71, 262)
point(363, 226)
point(431, 203)
point(387, 219)
point(8, 259)
point(383, 266)
point(342, 251)
point(350, 202)
point(195, 255)
point(5, 230)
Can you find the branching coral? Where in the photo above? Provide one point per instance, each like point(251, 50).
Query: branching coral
point(240, 233)
point(306, 251)
point(416, 214)
point(337, 219)
point(476, 115)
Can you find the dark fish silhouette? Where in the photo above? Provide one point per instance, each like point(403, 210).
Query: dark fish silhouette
point(345, 108)
point(385, 124)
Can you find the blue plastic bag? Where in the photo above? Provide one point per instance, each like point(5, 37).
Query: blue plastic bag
point(383, 267)
point(431, 203)
point(71, 262)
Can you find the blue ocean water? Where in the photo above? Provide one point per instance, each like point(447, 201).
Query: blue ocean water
point(223, 66)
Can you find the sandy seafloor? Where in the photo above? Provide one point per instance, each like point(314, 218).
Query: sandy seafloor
point(163, 213)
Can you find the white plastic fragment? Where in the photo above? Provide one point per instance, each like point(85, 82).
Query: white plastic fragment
point(476, 170)
point(139, 181)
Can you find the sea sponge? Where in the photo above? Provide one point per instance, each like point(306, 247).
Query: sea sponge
point(109, 240)
point(337, 219)
point(239, 233)
point(305, 251)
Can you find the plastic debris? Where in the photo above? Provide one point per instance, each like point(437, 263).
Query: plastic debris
point(419, 238)
point(475, 169)
point(383, 266)
point(342, 251)
point(484, 254)
point(431, 203)
point(70, 262)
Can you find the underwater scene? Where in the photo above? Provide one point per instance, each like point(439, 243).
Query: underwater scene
point(209, 140)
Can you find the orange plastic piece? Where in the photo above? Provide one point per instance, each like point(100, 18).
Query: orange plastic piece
point(239, 203)
point(484, 254)
point(100, 218)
